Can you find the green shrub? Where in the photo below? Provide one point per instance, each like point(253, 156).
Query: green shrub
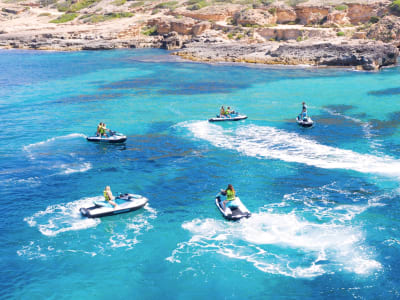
point(119, 2)
point(168, 5)
point(197, 4)
point(395, 6)
point(230, 35)
point(272, 10)
point(110, 16)
point(64, 6)
point(341, 7)
point(149, 31)
point(299, 38)
point(81, 5)
point(136, 4)
point(374, 19)
point(340, 33)
point(64, 18)
point(239, 36)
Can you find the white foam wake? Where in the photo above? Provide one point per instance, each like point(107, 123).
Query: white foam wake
point(282, 244)
point(50, 140)
point(64, 217)
point(269, 142)
point(72, 169)
point(366, 127)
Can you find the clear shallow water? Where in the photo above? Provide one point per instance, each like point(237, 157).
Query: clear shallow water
point(324, 201)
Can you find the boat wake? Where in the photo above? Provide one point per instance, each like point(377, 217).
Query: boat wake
point(272, 143)
point(60, 218)
point(49, 154)
point(57, 219)
point(287, 239)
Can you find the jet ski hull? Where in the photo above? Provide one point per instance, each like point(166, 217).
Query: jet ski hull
point(232, 214)
point(305, 123)
point(111, 139)
point(125, 203)
point(232, 118)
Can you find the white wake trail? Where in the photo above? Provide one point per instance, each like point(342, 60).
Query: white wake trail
point(272, 143)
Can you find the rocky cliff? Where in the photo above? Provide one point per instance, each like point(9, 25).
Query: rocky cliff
point(289, 32)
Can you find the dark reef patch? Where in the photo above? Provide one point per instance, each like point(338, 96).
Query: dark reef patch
point(387, 126)
point(194, 88)
point(386, 92)
point(88, 98)
point(341, 108)
point(131, 84)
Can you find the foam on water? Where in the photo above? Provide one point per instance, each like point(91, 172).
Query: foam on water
point(305, 235)
point(64, 217)
point(72, 169)
point(283, 244)
point(56, 158)
point(121, 232)
point(269, 142)
point(50, 140)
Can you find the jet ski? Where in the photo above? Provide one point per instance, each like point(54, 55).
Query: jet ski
point(234, 116)
point(125, 203)
point(113, 137)
point(232, 213)
point(305, 121)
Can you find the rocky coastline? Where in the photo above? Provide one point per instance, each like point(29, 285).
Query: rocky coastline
point(365, 36)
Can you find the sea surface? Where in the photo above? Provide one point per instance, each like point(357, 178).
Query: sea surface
point(324, 201)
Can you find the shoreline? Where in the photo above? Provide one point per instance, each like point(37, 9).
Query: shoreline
point(174, 56)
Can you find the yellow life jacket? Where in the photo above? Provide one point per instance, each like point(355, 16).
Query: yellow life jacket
point(106, 195)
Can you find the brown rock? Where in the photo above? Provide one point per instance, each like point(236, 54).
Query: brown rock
point(182, 26)
point(386, 30)
point(311, 14)
point(200, 28)
point(210, 13)
point(338, 17)
point(254, 17)
point(285, 14)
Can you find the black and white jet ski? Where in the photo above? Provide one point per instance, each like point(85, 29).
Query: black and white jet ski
point(125, 203)
point(232, 213)
point(113, 137)
point(232, 117)
point(305, 121)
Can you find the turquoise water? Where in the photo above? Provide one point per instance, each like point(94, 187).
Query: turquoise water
point(325, 200)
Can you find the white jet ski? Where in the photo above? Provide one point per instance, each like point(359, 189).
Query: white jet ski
point(232, 117)
point(232, 213)
point(125, 203)
point(304, 122)
point(113, 137)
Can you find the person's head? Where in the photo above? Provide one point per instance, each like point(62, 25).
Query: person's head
point(230, 187)
point(303, 103)
point(107, 188)
point(229, 107)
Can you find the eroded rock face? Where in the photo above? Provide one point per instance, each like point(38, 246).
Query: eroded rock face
point(338, 17)
point(199, 28)
point(387, 30)
point(362, 13)
point(254, 17)
point(366, 56)
point(210, 13)
point(284, 14)
point(312, 14)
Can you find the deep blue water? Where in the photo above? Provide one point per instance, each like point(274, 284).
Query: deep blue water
point(325, 200)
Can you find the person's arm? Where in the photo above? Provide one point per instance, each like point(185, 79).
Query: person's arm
point(110, 195)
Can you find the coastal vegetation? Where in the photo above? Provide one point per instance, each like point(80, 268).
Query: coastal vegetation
point(65, 18)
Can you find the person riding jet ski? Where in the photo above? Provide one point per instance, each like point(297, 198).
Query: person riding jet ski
point(108, 196)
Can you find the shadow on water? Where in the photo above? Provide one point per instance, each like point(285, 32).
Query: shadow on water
point(211, 87)
point(132, 83)
point(87, 98)
point(387, 127)
point(386, 92)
